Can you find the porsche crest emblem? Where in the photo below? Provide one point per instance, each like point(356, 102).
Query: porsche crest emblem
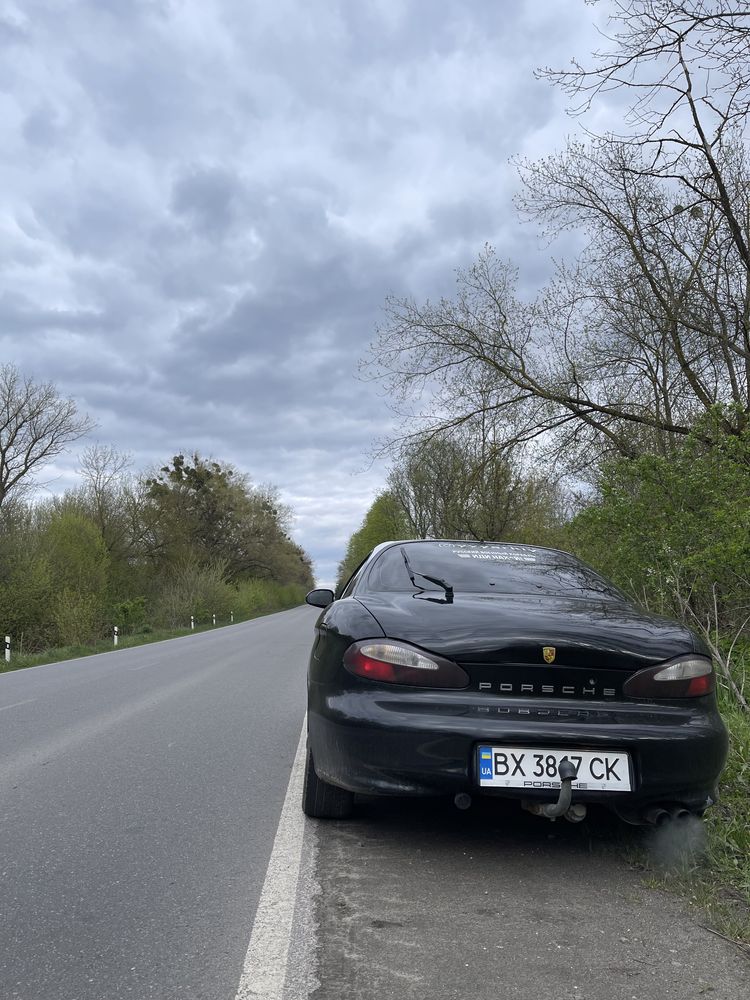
point(549, 653)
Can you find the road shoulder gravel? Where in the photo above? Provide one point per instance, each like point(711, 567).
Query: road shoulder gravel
point(418, 900)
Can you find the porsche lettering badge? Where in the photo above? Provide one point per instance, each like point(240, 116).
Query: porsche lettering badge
point(549, 652)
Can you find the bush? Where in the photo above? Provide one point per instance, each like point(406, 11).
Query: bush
point(193, 589)
point(26, 599)
point(130, 615)
point(675, 532)
point(76, 617)
point(254, 596)
point(76, 553)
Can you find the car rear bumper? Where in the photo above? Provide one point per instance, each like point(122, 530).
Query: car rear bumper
point(424, 743)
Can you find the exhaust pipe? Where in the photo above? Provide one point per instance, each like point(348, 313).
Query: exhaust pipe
point(656, 816)
point(679, 813)
point(659, 815)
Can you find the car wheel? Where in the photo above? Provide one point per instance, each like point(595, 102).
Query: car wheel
point(321, 800)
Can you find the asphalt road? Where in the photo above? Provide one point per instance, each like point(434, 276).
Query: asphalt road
point(150, 847)
point(140, 793)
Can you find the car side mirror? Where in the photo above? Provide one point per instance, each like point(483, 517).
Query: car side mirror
point(319, 598)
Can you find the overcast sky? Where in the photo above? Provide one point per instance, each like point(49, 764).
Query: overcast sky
point(203, 204)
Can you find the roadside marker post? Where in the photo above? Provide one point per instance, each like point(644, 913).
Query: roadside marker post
point(192, 623)
point(116, 635)
point(213, 618)
point(7, 649)
point(231, 617)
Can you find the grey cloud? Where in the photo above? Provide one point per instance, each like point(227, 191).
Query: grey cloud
point(210, 200)
point(21, 316)
point(207, 197)
point(101, 222)
point(136, 103)
point(12, 32)
point(42, 127)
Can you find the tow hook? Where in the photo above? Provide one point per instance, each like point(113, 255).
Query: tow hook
point(568, 773)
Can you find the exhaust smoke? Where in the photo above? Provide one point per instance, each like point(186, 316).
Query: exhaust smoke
point(677, 843)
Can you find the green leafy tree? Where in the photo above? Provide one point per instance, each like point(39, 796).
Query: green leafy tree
point(26, 598)
point(676, 532)
point(117, 550)
point(385, 520)
point(207, 512)
point(75, 553)
point(78, 565)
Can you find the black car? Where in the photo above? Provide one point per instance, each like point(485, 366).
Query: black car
point(482, 668)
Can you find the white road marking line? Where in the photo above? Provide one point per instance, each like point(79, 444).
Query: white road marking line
point(264, 972)
point(15, 704)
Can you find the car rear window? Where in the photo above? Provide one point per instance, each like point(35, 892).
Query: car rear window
point(484, 567)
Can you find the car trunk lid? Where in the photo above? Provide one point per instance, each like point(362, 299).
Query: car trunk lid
point(533, 645)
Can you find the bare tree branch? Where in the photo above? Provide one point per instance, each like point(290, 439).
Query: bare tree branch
point(36, 425)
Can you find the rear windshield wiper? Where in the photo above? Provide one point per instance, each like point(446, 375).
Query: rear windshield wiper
point(431, 579)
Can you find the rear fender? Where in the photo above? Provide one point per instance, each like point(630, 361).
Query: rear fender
point(341, 624)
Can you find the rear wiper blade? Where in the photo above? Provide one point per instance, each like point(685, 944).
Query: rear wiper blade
point(431, 579)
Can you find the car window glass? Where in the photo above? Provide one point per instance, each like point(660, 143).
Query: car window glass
point(476, 567)
point(352, 582)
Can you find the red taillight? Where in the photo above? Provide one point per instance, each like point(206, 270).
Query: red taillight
point(398, 663)
point(700, 685)
point(685, 677)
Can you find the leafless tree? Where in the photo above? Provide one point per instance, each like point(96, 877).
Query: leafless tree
point(458, 484)
point(103, 468)
point(687, 66)
point(113, 498)
point(36, 425)
point(626, 349)
point(659, 301)
point(598, 364)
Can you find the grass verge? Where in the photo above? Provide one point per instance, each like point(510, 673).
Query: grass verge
point(717, 879)
point(21, 660)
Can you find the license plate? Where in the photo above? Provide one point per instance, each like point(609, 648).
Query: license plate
point(534, 767)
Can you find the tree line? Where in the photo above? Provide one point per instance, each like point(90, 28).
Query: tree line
point(609, 413)
point(141, 551)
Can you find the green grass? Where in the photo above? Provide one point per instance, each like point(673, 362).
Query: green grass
point(21, 660)
point(724, 878)
point(718, 879)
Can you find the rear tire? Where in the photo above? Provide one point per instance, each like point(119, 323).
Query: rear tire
point(321, 800)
